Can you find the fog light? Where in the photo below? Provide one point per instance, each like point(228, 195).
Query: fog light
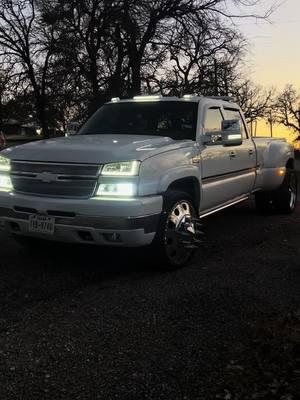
point(112, 237)
point(86, 236)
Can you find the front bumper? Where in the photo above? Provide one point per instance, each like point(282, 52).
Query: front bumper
point(128, 223)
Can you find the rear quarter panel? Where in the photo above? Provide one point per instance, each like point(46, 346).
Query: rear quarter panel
point(271, 154)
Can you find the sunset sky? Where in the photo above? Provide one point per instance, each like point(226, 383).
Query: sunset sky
point(274, 58)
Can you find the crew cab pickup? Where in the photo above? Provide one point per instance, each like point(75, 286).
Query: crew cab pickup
point(144, 171)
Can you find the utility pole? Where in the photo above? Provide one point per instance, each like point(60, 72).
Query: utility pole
point(253, 127)
point(271, 121)
point(216, 90)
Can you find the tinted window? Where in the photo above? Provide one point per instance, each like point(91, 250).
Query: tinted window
point(176, 120)
point(213, 120)
point(235, 114)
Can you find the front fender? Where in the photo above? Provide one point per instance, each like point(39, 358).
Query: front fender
point(189, 171)
point(158, 172)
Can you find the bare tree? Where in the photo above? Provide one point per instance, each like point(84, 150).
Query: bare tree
point(73, 55)
point(203, 57)
point(6, 76)
point(30, 43)
point(287, 109)
point(149, 26)
point(255, 100)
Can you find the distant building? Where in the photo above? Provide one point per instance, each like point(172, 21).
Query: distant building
point(15, 130)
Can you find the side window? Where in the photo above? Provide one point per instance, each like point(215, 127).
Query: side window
point(235, 114)
point(213, 120)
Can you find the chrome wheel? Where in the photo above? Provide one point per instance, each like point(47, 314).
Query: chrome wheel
point(178, 218)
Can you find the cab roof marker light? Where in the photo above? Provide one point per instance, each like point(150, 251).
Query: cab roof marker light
point(191, 96)
point(115, 99)
point(148, 98)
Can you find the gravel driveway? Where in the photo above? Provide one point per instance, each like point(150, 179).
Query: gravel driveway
point(104, 324)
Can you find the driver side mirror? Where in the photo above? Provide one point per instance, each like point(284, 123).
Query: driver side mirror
point(230, 134)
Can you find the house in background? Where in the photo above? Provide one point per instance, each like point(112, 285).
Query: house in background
point(18, 133)
point(15, 132)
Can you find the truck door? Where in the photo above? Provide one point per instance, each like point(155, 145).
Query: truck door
point(224, 175)
point(245, 155)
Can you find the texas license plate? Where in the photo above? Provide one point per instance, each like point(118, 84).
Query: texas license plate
point(41, 224)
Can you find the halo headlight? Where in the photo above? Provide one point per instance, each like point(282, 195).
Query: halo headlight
point(123, 168)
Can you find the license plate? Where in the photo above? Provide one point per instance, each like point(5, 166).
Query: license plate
point(41, 224)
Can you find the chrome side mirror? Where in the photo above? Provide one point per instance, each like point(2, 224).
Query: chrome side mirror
point(231, 132)
point(229, 135)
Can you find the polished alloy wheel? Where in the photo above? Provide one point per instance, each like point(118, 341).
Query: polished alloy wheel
point(178, 217)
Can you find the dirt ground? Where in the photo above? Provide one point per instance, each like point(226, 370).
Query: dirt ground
point(99, 323)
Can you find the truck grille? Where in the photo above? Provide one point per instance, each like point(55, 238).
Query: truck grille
point(54, 179)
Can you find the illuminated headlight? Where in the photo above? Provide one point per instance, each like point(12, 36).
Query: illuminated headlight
point(116, 189)
point(5, 183)
point(124, 168)
point(4, 164)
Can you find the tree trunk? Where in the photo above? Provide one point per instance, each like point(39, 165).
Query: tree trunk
point(41, 115)
point(1, 112)
point(136, 81)
point(116, 84)
point(94, 102)
point(216, 80)
point(40, 101)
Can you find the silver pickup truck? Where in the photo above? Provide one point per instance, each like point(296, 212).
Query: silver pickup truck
point(144, 171)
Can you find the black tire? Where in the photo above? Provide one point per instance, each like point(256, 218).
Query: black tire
point(171, 252)
point(264, 202)
point(285, 198)
point(282, 200)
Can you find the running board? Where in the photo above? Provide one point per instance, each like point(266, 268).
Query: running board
point(223, 207)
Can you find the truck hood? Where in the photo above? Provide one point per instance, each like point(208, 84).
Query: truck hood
point(94, 149)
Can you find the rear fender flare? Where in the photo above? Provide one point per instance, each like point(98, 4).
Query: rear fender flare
point(277, 154)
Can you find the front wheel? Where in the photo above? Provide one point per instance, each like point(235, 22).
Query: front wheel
point(176, 236)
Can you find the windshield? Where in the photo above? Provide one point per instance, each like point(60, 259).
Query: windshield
point(174, 119)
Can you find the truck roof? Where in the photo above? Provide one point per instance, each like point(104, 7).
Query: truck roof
point(225, 100)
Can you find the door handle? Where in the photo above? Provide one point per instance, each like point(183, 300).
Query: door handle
point(232, 154)
point(251, 152)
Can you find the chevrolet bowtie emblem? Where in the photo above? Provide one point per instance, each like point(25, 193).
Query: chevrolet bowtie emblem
point(47, 177)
